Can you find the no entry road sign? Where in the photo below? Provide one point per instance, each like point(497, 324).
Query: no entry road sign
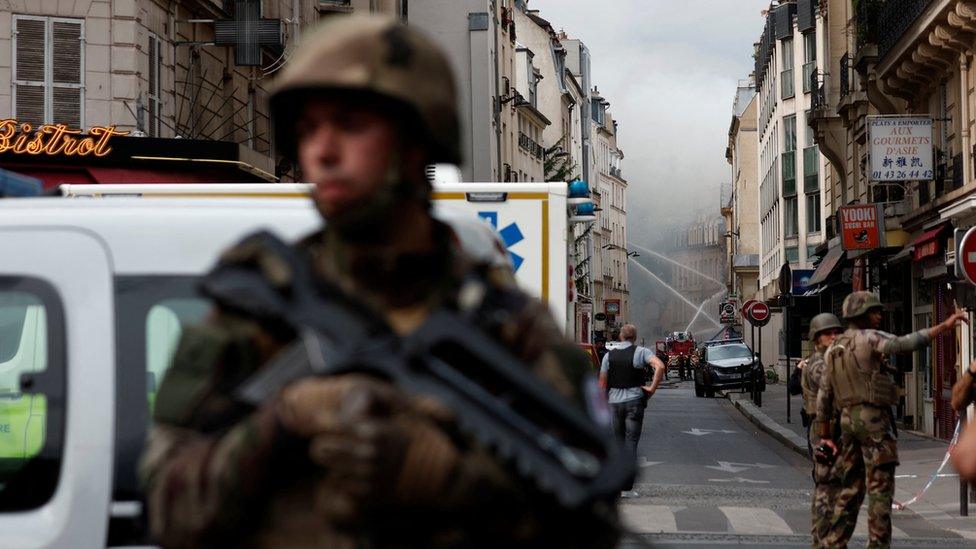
point(967, 255)
point(758, 314)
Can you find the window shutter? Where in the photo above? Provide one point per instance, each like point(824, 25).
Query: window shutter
point(29, 72)
point(66, 57)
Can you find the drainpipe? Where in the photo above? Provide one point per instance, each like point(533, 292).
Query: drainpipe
point(967, 159)
point(498, 101)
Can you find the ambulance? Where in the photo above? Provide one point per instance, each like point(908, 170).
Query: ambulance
point(95, 288)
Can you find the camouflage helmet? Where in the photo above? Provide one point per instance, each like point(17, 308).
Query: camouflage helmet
point(859, 303)
point(821, 322)
point(371, 58)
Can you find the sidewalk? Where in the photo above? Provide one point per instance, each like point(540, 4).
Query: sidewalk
point(920, 457)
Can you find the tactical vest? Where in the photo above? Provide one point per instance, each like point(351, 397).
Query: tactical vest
point(810, 382)
point(622, 374)
point(859, 375)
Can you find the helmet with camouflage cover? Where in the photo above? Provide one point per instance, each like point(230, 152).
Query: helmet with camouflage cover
point(371, 57)
point(859, 303)
point(823, 321)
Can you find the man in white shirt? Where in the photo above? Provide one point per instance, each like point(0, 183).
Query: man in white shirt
point(623, 374)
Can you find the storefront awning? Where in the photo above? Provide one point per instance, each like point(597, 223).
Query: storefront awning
point(928, 243)
point(827, 265)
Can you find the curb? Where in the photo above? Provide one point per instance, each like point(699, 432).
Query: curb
point(786, 436)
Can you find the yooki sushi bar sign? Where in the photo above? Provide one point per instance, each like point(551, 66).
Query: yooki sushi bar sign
point(55, 139)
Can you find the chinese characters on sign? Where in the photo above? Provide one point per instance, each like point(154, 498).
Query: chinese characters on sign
point(901, 149)
point(861, 226)
point(55, 139)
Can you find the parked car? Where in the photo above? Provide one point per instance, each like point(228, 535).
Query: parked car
point(728, 364)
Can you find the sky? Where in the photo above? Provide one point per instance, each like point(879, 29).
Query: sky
point(669, 70)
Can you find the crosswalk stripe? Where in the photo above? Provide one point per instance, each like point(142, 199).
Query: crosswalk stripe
point(862, 526)
point(755, 520)
point(647, 519)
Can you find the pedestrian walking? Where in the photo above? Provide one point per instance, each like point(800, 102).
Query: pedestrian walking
point(363, 106)
point(624, 375)
point(858, 386)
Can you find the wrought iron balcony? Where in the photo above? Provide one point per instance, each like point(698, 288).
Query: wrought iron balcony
point(341, 6)
point(883, 22)
point(527, 144)
point(818, 91)
point(845, 74)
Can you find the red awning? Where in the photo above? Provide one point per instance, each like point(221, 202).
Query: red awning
point(928, 243)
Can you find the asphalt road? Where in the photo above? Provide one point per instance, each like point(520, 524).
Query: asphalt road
point(709, 477)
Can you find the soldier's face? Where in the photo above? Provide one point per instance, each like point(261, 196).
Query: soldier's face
point(345, 150)
point(827, 337)
point(874, 318)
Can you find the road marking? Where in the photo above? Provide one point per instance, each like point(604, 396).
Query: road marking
point(755, 520)
point(649, 519)
point(644, 463)
point(940, 475)
point(739, 480)
point(702, 432)
point(733, 467)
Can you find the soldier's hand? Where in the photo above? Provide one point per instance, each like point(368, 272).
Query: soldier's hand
point(956, 319)
point(312, 405)
point(829, 443)
point(380, 455)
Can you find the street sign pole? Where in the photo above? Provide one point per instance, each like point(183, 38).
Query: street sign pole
point(786, 295)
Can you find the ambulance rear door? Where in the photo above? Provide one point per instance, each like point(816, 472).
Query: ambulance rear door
point(56, 387)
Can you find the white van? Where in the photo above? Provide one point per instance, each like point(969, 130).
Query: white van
point(93, 298)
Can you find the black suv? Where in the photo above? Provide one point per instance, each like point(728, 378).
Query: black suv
point(728, 365)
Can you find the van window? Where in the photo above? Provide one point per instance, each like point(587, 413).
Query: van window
point(164, 326)
point(31, 392)
point(150, 313)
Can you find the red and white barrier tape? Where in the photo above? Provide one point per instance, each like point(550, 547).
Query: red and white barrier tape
point(918, 496)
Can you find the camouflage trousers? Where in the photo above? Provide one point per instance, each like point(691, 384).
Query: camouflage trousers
point(868, 457)
point(826, 495)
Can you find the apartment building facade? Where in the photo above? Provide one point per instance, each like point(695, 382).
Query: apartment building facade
point(897, 60)
point(790, 166)
point(741, 209)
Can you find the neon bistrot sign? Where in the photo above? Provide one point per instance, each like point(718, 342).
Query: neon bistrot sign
point(55, 139)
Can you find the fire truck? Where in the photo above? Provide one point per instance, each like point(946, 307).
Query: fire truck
point(676, 352)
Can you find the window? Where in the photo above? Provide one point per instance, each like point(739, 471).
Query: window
point(48, 72)
point(811, 164)
point(786, 77)
point(153, 87)
point(792, 254)
point(31, 424)
point(151, 313)
point(813, 212)
point(789, 155)
point(791, 221)
point(809, 59)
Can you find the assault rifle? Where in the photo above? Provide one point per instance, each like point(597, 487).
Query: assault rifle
point(495, 398)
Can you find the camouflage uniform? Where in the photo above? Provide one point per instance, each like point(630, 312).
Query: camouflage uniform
point(827, 478)
point(218, 473)
point(212, 467)
point(858, 382)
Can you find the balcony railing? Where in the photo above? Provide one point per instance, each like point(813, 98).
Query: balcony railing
point(527, 144)
point(616, 173)
point(884, 22)
point(818, 95)
point(335, 5)
point(845, 74)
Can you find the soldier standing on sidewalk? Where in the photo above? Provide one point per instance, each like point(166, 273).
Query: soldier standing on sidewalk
point(824, 328)
point(858, 383)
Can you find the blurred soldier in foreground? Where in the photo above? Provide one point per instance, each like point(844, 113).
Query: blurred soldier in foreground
point(858, 385)
point(351, 461)
point(824, 328)
point(964, 394)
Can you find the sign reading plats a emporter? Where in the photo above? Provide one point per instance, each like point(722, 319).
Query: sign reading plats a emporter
point(901, 149)
point(861, 226)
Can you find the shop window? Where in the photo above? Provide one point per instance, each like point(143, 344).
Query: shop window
point(48, 70)
point(31, 424)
